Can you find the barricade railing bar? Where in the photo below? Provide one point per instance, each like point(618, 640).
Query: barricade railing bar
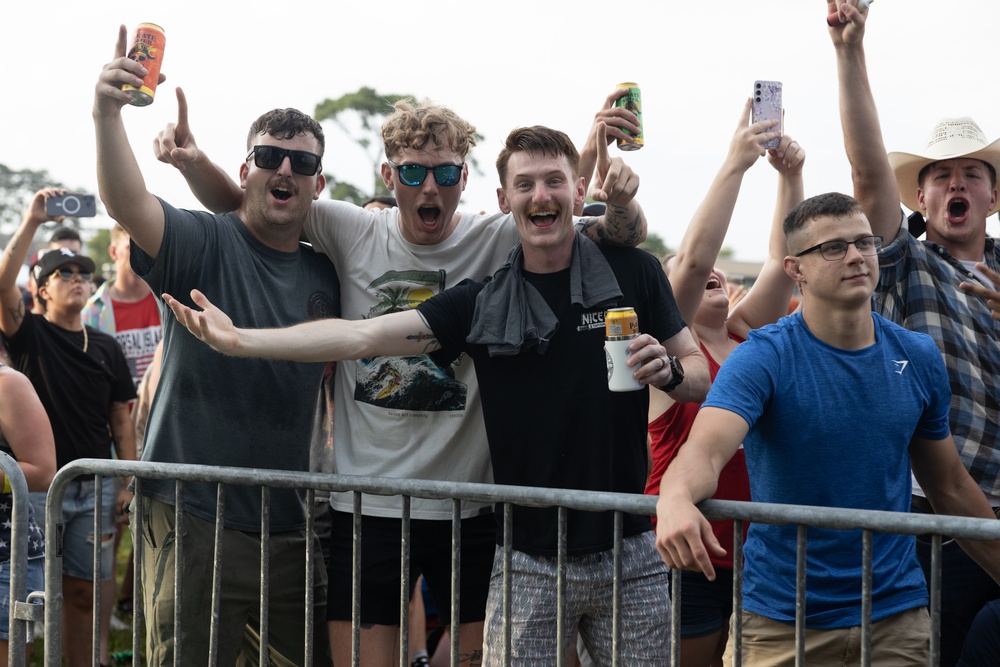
point(507, 496)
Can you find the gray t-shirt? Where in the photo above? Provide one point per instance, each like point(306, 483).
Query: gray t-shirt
point(215, 410)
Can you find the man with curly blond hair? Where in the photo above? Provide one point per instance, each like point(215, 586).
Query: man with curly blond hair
point(407, 417)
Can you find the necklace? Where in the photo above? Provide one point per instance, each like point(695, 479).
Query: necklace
point(86, 340)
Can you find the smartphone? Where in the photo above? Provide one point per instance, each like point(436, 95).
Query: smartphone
point(767, 106)
point(73, 206)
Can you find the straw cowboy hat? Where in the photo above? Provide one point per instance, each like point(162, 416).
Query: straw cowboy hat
point(950, 138)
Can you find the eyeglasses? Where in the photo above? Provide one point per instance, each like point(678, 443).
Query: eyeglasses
point(68, 274)
point(414, 174)
point(834, 250)
point(271, 157)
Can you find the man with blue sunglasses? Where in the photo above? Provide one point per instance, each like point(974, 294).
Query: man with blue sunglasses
point(410, 417)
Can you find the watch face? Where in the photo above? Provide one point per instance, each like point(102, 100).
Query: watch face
point(676, 368)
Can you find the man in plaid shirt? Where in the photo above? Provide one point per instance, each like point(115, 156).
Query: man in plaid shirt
point(931, 286)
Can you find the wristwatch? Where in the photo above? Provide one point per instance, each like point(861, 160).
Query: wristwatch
point(676, 375)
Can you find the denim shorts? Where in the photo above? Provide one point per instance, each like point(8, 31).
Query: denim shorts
point(36, 582)
point(78, 533)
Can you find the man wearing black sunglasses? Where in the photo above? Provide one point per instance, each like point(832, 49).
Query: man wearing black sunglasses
point(394, 422)
point(215, 410)
point(83, 381)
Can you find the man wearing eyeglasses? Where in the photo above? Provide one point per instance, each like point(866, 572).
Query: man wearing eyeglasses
point(83, 381)
point(796, 394)
point(411, 417)
point(929, 285)
point(218, 411)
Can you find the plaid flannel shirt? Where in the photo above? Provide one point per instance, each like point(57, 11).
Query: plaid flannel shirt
point(918, 288)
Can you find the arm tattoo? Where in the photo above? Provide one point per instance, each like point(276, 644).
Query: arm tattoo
point(615, 230)
point(16, 314)
point(431, 340)
point(615, 217)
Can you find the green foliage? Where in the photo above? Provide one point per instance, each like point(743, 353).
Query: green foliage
point(655, 245)
point(359, 116)
point(97, 249)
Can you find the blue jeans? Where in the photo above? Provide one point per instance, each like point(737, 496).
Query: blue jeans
point(78, 534)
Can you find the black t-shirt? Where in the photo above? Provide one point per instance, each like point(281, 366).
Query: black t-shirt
point(76, 388)
point(551, 420)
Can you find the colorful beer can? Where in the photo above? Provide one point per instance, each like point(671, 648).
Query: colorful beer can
point(621, 324)
point(147, 49)
point(633, 102)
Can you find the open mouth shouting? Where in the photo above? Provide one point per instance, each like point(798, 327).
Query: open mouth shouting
point(958, 210)
point(713, 283)
point(429, 214)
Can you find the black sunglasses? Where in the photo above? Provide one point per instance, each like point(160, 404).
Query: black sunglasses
point(271, 157)
point(414, 174)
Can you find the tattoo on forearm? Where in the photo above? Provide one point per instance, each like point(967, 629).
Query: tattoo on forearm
point(616, 230)
point(474, 659)
point(431, 340)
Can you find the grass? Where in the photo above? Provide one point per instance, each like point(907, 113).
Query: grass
point(120, 640)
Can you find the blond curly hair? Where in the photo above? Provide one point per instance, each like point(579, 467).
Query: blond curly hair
point(416, 127)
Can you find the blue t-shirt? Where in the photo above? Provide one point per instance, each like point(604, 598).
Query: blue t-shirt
point(832, 427)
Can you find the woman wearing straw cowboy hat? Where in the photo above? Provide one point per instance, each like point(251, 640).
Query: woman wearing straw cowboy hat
point(936, 286)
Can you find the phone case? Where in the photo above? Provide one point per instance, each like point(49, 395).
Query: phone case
point(72, 205)
point(767, 106)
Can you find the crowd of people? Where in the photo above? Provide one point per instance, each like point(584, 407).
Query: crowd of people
point(398, 338)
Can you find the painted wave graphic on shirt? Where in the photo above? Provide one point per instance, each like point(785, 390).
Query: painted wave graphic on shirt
point(407, 383)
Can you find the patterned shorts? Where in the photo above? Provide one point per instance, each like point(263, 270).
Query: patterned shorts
point(645, 606)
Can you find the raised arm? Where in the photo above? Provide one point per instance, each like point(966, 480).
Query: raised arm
point(14, 254)
point(398, 334)
point(616, 119)
point(704, 236)
point(683, 535)
point(951, 490)
point(212, 186)
point(771, 293)
point(615, 184)
point(119, 180)
point(874, 181)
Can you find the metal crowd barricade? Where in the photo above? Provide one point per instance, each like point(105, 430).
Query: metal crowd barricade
point(506, 497)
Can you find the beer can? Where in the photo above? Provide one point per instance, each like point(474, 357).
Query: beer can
point(621, 324)
point(633, 102)
point(147, 49)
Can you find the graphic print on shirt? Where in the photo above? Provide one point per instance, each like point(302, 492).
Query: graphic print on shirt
point(408, 383)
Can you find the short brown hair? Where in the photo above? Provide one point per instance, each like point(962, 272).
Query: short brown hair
point(286, 124)
point(537, 139)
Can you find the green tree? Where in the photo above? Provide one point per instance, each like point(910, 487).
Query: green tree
point(97, 249)
point(655, 245)
point(359, 116)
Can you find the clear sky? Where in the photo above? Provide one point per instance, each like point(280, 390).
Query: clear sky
point(503, 65)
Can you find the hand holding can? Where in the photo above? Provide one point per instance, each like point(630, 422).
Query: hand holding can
point(621, 327)
point(146, 49)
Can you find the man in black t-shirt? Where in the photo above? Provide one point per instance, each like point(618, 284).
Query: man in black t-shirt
point(536, 333)
point(82, 380)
